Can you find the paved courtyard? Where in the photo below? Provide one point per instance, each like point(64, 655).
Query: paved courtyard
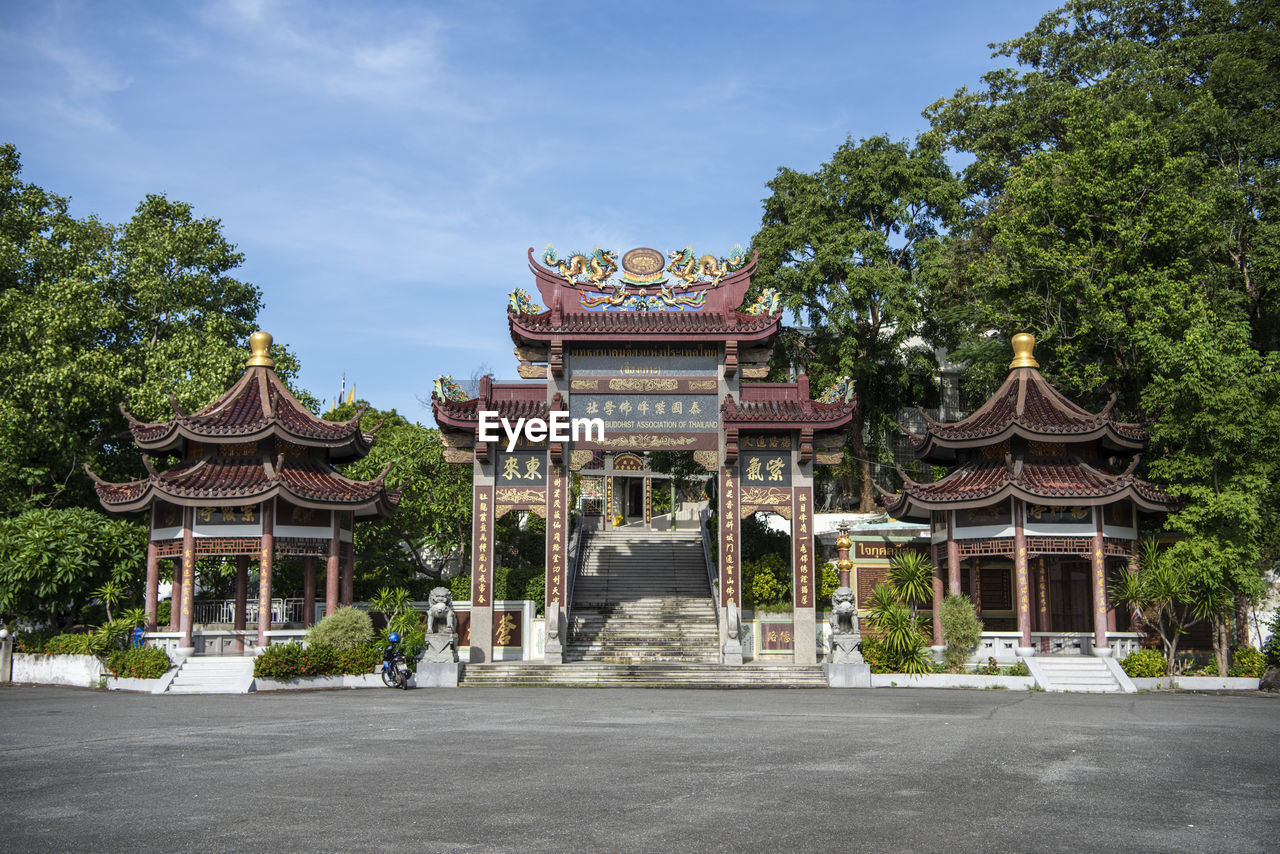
point(634, 770)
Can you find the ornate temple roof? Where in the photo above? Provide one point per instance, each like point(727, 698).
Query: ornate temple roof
point(1026, 405)
point(693, 299)
point(512, 401)
point(258, 406)
point(227, 481)
point(1039, 480)
point(786, 406)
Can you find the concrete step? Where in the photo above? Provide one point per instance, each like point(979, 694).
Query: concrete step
point(656, 675)
point(1080, 673)
point(222, 674)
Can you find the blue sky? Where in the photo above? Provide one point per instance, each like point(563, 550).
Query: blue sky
point(384, 166)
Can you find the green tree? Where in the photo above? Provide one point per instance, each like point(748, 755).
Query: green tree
point(844, 246)
point(93, 314)
point(961, 630)
point(1123, 199)
point(432, 522)
point(54, 562)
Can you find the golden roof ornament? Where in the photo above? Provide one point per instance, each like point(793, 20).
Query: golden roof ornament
point(260, 351)
point(1023, 345)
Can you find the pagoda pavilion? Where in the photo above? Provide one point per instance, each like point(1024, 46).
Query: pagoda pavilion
point(1040, 506)
point(661, 354)
point(255, 479)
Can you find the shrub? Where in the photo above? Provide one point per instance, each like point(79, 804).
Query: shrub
point(767, 581)
point(33, 642)
point(961, 630)
point(1247, 661)
point(991, 668)
point(1019, 669)
point(293, 661)
point(875, 652)
point(345, 628)
point(460, 586)
point(1271, 649)
point(828, 583)
point(146, 663)
point(1145, 664)
point(75, 643)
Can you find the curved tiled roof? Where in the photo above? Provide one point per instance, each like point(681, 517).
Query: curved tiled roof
point(1027, 405)
point(465, 414)
point(784, 412)
point(593, 324)
point(1057, 480)
point(215, 481)
point(258, 406)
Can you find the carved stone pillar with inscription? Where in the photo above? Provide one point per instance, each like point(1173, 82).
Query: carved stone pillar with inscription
point(803, 594)
point(557, 562)
point(152, 595)
point(482, 527)
point(265, 567)
point(730, 563)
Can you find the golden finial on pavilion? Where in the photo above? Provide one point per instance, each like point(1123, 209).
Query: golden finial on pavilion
point(1023, 344)
point(260, 349)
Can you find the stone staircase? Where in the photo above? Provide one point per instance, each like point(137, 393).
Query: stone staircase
point(585, 674)
point(213, 674)
point(642, 596)
point(1080, 673)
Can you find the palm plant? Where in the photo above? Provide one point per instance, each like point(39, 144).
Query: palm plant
point(391, 601)
point(110, 594)
point(912, 576)
point(900, 628)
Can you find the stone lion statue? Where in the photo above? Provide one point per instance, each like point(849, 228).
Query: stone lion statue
point(846, 640)
point(441, 617)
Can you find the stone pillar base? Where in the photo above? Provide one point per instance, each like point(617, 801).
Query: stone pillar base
point(1024, 651)
point(436, 674)
point(1102, 651)
point(732, 653)
point(847, 675)
point(554, 653)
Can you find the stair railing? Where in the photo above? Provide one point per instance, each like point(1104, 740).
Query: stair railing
point(704, 515)
point(575, 550)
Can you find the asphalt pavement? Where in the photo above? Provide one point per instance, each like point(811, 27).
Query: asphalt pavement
point(638, 770)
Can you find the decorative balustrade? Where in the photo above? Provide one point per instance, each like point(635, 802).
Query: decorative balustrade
point(217, 611)
point(1002, 645)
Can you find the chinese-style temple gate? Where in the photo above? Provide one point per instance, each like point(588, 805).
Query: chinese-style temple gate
point(1038, 510)
point(661, 353)
point(255, 481)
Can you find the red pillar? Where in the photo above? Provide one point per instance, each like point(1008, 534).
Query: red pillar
point(151, 598)
point(953, 556)
point(308, 591)
point(188, 576)
point(937, 606)
point(1042, 601)
point(1021, 582)
point(331, 569)
point(242, 599)
point(264, 573)
point(1100, 644)
point(175, 597)
point(348, 573)
point(975, 592)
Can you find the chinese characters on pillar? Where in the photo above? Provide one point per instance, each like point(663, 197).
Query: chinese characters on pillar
point(729, 540)
point(482, 546)
point(557, 536)
point(769, 468)
point(802, 540)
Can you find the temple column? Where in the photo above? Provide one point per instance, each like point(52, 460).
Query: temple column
point(239, 617)
point(1042, 601)
point(975, 592)
point(1101, 647)
point(804, 617)
point(730, 560)
point(264, 574)
point(1021, 582)
point(1136, 623)
point(937, 607)
point(953, 556)
point(308, 591)
point(151, 598)
point(1111, 616)
point(332, 568)
point(175, 597)
point(348, 573)
point(188, 579)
